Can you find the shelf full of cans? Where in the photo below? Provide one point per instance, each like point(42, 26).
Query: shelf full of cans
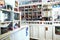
point(41, 12)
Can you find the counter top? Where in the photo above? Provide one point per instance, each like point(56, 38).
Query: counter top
point(13, 31)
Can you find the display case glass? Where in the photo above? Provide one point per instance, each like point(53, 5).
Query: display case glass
point(57, 30)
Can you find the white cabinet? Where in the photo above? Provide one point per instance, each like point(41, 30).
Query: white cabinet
point(31, 31)
point(17, 34)
point(45, 32)
point(48, 32)
point(22, 34)
point(41, 32)
point(34, 31)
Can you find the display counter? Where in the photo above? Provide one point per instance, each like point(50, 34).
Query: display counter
point(14, 35)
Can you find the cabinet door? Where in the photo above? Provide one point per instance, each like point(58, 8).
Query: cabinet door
point(45, 32)
point(34, 31)
point(41, 32)
point(48, 32)
point(31, 31)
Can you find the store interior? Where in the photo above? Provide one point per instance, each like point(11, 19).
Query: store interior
point(29, 19)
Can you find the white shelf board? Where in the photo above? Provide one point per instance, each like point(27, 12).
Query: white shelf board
point(16, 20)
point(37, 3)
point(6, 10)
point(38, 21)
point(4, 25)
point(34, 38)
point(50, 3)
point(16, 12)
point(6, 22)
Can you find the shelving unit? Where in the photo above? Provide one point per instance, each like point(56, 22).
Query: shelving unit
point(31, 11)
point(9, 15)
point(35, 13)
point(42, 18)
point(11, 27)
point(38, 11)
